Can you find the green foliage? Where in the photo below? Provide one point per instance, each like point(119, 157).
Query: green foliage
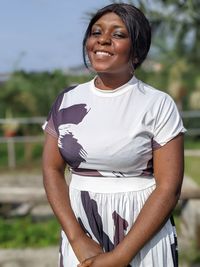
point(175, 39)
point(192, 143)
point(192, 162)
point(193, 123)
point(24, 232)
point(192, 168)
point(28, 156)
point(158, 80)
point(32, 94)
point(191, 256)
point(175, 28)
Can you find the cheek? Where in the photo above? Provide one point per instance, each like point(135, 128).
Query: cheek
point(89, 45)
point(123, 49)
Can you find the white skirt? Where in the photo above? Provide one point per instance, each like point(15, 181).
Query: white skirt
point(106, 209)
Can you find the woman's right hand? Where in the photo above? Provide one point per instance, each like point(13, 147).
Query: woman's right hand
point(58, 195)
point(84, 247)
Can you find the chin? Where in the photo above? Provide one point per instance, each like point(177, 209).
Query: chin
point(100, 70)
point(100, 66)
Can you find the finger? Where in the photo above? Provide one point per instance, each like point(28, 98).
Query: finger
point(83, 264)
point(86, 263)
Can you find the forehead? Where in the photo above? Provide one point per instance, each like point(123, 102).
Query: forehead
point(110, 19)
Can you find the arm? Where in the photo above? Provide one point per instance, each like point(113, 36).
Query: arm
point(58, 196)
point(168, 171)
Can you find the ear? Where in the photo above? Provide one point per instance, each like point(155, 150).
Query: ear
point(131, 67)
point(135, 60)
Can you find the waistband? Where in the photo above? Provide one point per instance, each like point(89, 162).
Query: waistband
point(110, 184)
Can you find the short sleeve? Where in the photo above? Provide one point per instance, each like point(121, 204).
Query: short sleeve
point(168, 123)
point(50, 125)
point(53, 120)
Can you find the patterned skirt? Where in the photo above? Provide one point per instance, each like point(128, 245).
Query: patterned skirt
point(106, 209)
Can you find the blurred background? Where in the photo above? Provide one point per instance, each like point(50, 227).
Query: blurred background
point(41, 53)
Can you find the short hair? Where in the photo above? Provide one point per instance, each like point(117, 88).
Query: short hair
point(137, 25)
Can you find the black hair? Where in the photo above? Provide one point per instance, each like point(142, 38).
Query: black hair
point(137, 25)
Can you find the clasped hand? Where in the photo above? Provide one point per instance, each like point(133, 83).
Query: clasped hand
point(101, 260)
point(90, 254)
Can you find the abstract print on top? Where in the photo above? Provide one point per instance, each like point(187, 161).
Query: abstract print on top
point(103, 133)
point(113, 134)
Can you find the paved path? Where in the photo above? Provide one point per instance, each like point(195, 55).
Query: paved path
point(47, 257)
point(192, 152)
point(37, 258)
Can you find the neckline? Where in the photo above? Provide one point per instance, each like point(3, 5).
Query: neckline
point(114, 92)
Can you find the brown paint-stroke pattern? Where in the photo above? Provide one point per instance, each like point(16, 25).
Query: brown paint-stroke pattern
point(120, 226)
point(72, 151)
point(96, 224)
point(86, 172)
point(174, 246)
point(95, 221)
point(60, 252)
point(154, 144)
point(149, 169)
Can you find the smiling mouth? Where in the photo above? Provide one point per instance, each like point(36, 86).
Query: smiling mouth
point(103, 53)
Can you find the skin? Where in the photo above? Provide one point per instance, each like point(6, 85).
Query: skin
point(57, 192)
point(113, 71)
point(168, 171)
point(109, 34)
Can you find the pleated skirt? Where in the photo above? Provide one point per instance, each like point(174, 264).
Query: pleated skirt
point(106, 209)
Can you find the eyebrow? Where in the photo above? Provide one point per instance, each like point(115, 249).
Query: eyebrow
point(114, 26)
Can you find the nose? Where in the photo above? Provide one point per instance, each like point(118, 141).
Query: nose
point(104, 39)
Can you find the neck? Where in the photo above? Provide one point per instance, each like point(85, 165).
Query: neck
point(109, 81)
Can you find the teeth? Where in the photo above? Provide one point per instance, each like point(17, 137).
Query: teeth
point(103, 53)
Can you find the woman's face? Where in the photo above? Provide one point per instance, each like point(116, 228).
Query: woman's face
point(108, 46)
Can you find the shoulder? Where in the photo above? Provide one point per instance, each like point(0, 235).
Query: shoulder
point(75, 90)
point(75, 87)
point(149, 90)
point(152, 95)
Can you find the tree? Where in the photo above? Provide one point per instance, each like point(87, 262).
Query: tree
point(175, 42)
point(176, 28)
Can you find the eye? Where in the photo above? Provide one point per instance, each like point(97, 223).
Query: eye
point(119, 35)
point(95, 32)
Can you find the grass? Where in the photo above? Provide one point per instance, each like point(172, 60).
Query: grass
point(192, 168)
point(26, 156)
point(190, 256)
point(192, 143)
point(24, 232)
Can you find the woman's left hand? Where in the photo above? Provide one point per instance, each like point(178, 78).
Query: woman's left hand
point(102, 260)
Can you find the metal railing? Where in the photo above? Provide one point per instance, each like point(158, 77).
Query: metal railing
point(11, 141)
point(191, 114)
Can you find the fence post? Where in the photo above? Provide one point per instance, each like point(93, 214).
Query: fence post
point(11, 153)
point(198, 232)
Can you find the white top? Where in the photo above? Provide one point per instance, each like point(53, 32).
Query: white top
point(112, 132)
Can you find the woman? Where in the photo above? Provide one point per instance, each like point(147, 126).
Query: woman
point(122, 141)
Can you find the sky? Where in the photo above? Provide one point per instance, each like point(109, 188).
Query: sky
point(43, 35)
